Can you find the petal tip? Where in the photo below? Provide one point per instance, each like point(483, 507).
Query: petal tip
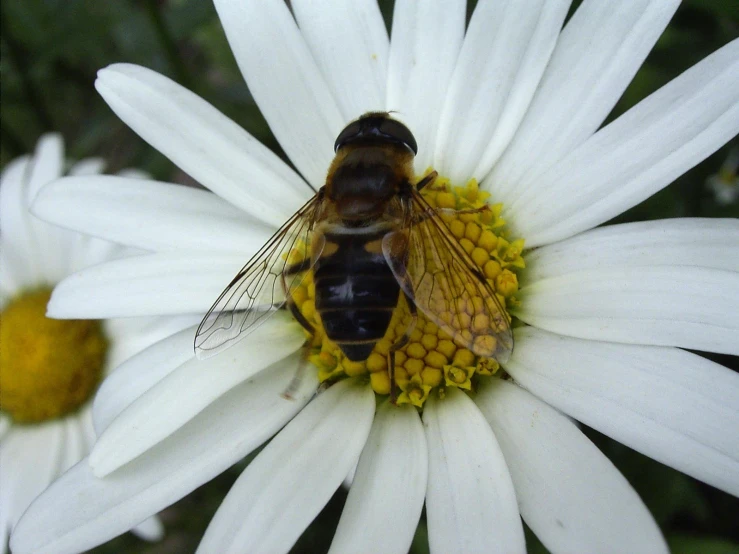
point(58, 306)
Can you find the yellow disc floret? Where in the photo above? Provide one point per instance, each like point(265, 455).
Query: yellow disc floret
point(433, 359)
point(48, 367)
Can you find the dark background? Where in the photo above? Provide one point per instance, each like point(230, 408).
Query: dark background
point(50, 51)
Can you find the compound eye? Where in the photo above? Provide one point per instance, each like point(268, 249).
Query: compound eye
point(399, 133)
point(350, 132)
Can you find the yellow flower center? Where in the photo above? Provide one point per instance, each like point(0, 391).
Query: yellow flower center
point(431, 359)
point(48, 367)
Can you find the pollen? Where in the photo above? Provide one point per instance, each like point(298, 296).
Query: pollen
point(459, 376)
point(414, 391)
point(48, 367)
point(430, 358)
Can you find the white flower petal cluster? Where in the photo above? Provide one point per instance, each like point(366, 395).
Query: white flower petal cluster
point(513, 100)
point(33, 255)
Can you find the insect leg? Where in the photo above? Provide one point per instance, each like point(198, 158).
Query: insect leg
point(299, 317)
point(426, 180)
point(451, 211)
point(398, 344)
point(289, 392)
point(297, 267)
point(431, 212)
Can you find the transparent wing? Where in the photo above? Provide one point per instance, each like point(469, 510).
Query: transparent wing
point(262, 286)
point(446, 285)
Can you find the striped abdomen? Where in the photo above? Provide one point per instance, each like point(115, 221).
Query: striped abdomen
point(356, 292)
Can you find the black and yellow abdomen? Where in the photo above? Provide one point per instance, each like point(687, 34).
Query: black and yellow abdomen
point(356, 292)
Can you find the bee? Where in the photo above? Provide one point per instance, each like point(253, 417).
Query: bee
point(369, 237)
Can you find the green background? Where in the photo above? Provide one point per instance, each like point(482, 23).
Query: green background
point(50, 52)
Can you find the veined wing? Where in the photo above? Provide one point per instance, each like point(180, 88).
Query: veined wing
point(262, 286)
point(446, 285)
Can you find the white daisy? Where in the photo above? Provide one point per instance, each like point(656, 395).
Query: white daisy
point(50, 369)
point(513, 102)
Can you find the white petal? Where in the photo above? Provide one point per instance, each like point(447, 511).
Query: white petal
point(635, 156)
point(87, 166)
point(690, 307)
point(5, 424)
point(151, 529)
point(29, 458)
point(74, 447)
point(10, 447)
point(349, 43)
point(668, 404)
point(6, 490)
point(569, 493)
point(709, 243)
point(139, 374)
point(11, 277)
point(189, 389)
point(152, 284)
point(505, 52)
point(285, 81)
point(386, 497)
point(349, 479)
point(19, 244)
point(53, 243)
point(147, 330)
point(56, 245)
point(288, 483)
point(4, 533)
point(121, 350)
point(426, 39)
point(86, 251)
point(133, 173)
point(599, 51)
point(126, 341)
point(80, 511)
point(88, 432)
point(150, 215)
point(48, 163)
point(470, 502)
point(203, 142)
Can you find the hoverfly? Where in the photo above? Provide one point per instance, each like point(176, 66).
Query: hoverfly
point(370, 236)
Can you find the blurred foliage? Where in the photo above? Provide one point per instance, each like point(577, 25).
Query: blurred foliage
point(50, 52)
